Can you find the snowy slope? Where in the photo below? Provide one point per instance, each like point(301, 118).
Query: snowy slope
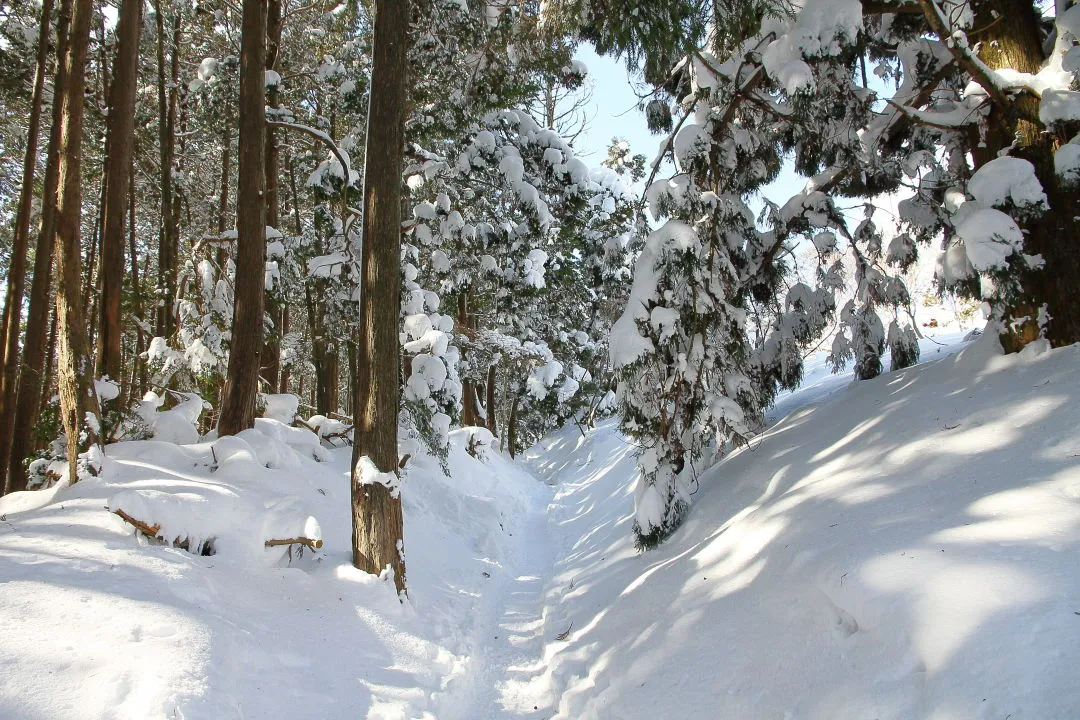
point(97, 623)
point(904, 548)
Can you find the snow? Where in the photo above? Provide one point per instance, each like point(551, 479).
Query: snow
point(902, 547)
point(97, 623)
point(1067, 162)
point(990, 237)
point(1059, 106)
point(897, 548)
point(282, 408)
point(1007, 180)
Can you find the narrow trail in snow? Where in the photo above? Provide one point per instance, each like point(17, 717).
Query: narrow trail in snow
point(515, 684)
point(509, 671)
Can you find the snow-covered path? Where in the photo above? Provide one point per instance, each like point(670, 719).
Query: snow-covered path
point(516, 687)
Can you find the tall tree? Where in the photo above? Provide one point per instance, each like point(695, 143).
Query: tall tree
point(167, 241)
point(16, 281)
point(121, 123)
point(78, 401)
point(377, 519)
point(37, 346)
point(271, 353)
point(242, 380)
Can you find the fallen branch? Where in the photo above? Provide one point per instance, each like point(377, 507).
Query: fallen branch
point(313, 544)
point(152, 531)
point(148, 530)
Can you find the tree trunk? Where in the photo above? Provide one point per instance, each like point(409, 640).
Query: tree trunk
point(166, 289)
point(271, 353)
point(286, 374)
point(490, 402)
point(141, 372)
point(286, 321)
point(38, 333)
point(511, 427)
point(242, 380)
point(377, 521)
point(323, 352)
point(78, 402)
point(1016, 44)
point(468, 390)
point(121, 119)
point(16, 280)
point(327, 368)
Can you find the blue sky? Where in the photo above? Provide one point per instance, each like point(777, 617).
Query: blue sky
point(615, 114)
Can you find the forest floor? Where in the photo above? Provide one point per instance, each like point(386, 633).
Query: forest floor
point(898, 548)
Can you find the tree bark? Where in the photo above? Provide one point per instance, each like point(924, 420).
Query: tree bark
point(469, 416)
point(166, 290)
point(118, 168)
point(242, 380)
point(16, 280)
point(40, 326)
point(78, 402)
point(1016, 43)
point(490, 402)
point(377, 520)
point(286, 319)
point(511, 427)
point(271, 353)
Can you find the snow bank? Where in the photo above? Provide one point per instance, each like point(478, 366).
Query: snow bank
point(902, 548)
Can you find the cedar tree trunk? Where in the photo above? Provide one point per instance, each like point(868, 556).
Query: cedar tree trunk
point(242, 380)
point(377, 521)
point(16, 280)
point(78, 402)
point(118, 168)
point(40, 311)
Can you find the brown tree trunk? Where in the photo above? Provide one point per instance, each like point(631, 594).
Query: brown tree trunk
point(286, 376)
point(16, 280)
point(511, 427)
point(137, 388)
point(286, 319)
point(1016, 43)
point(121, 119)
point(242, 380)
point(377, 520)
point(271, 352)
point(490, 404)
point(40, 319)
point(48, 388)
point(468, 389)
point(166, 289)
point(78, 402)
point(327, 370)
point(323, 352)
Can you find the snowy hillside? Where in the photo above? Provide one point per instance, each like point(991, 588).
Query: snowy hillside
point(905, 548)
point(898, 548)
